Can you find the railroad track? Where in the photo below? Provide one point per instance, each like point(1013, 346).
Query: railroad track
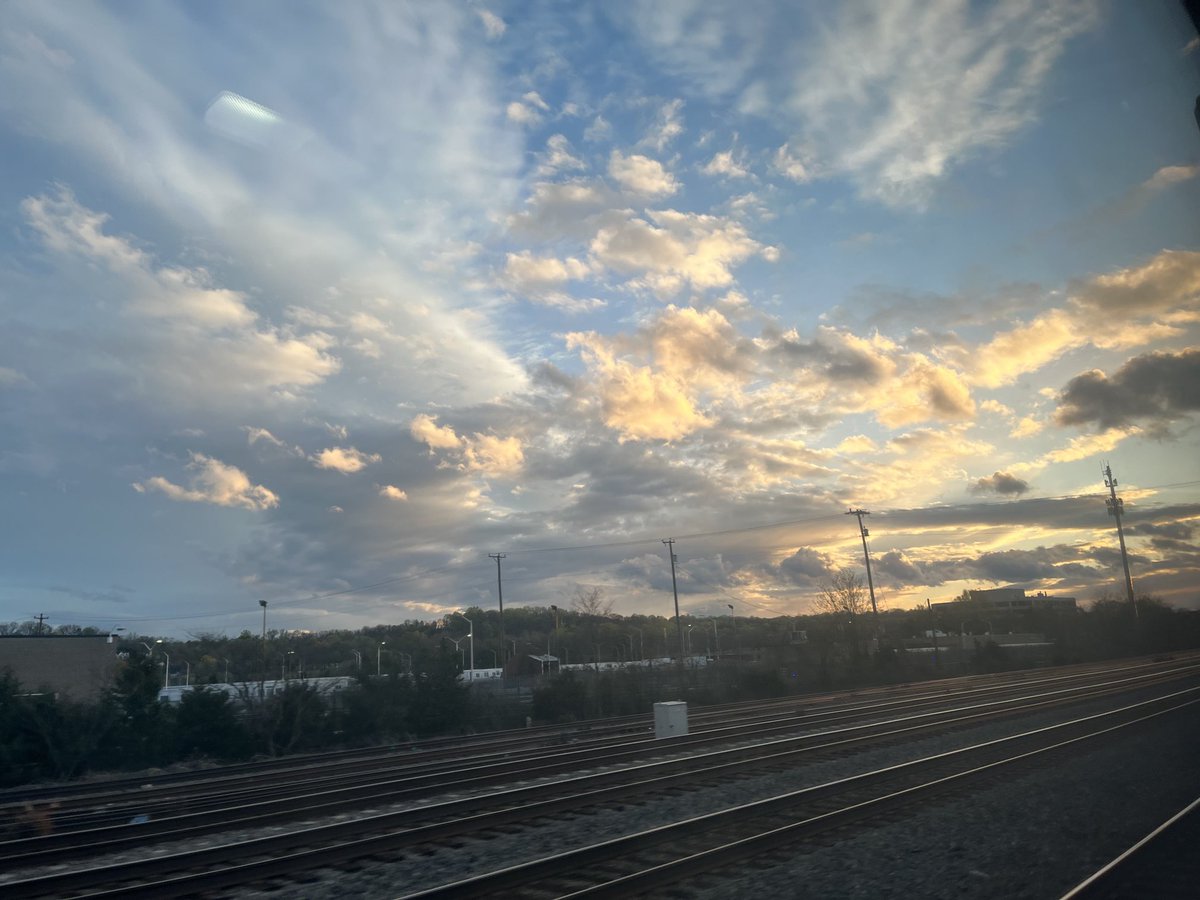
point(223, 811)
point(670, 855)
point(364, 778)
point(174, 787)
point(334, 844)
point(1163, 864)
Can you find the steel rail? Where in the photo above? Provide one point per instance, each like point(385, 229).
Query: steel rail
point(42, 850)
point(217, 795)
point(509, 880)
point(282, 847)
point(516, 739)
point(1113, 879)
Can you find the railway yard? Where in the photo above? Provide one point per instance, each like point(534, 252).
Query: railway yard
point(1024, 784)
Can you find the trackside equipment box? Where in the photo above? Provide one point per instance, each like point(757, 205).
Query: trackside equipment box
point(670, 719)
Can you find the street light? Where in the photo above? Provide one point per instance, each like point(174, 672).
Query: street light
point(167, 669)
point(226, 669)
point(378, 656)
point(358, 658)
point(471, 635)
point(457, 642)
point(737, 635)
point(188, 680)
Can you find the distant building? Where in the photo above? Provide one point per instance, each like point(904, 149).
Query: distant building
point(80, 666)
point(1014, 600)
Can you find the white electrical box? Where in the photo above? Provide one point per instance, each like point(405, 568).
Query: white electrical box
point(670, 719)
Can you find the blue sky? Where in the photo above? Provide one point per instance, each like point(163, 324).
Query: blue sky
point(321, 304)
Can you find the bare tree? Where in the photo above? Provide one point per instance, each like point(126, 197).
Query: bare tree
point(844, 594)
point(591, 602)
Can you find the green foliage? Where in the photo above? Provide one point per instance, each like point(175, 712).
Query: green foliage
point(207, 724)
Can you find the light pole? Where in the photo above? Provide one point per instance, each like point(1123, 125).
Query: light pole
point(358, 658)
point(737, 635)
point(471, 635)
point(167, 669)
point(226, 670)
point(457, 642)
point(188, 680)
point(378, 657)
point(689, 639)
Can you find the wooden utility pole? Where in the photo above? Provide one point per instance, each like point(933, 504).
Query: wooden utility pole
point(500, 591)
point(867, 556)
point(670, 542)
point(1116, 509)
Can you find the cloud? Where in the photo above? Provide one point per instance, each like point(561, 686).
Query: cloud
point(667, 126)
point(212, 481)
point(1159, 386)
point(525, 272)
point(641, 175)
point(424, 428)
point(528, 110)
point(1131, 306)
point(1003, 483)
point(492, 23)
point(558, 157)
point(675, 249)
point(494, 455)
point(807, 566)
point(11, 378)
point(391, 492)
point(195, 335)
point(599, 130)
point(795, 164)
point(1137, 197)
point(346, 460)
point(1085, 446)
point(483, 453)
point(636, 401)
point(907, 105)
point(263, 437)
point(724, 164)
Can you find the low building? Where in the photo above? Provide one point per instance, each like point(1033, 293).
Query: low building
point(79, 666)
point(1010, 600)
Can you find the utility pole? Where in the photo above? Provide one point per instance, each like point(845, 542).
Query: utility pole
point(867, 556)
point(1116, 508)
point(670, 542)
point(262, 681)
point(933, 631)
point(737, 634)
point(41, 617)
point(500, 591)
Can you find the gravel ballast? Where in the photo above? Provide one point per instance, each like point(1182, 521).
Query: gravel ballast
point(434, 866)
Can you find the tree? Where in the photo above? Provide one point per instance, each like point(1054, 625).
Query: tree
point(843, 594)
point(591, 602)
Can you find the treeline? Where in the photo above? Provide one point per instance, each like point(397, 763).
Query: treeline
point(48, 737)
point(417, 692)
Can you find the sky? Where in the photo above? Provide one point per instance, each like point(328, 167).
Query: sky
point(323, 303)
